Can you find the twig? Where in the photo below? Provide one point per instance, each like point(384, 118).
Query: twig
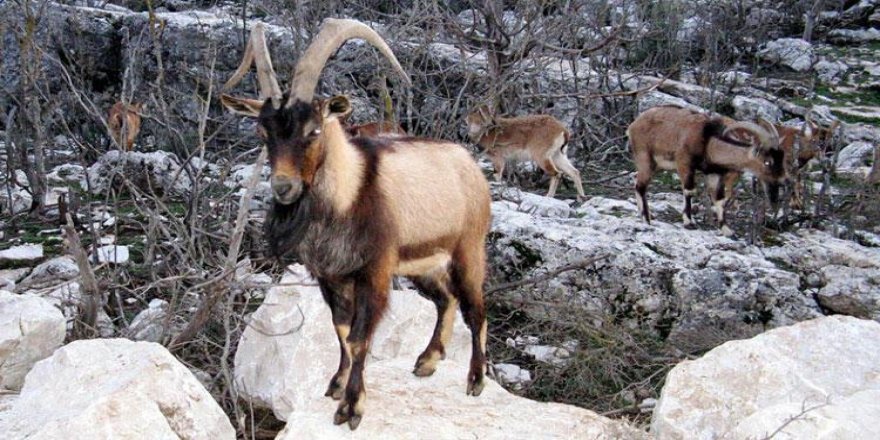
point(91, 299)
point(580, 264)
point(795, 417)
point(200, 318)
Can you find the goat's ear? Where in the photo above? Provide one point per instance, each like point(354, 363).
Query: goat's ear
point(242, 106)
point(336, 107)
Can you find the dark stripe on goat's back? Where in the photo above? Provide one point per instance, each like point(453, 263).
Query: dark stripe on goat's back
point(715, 128)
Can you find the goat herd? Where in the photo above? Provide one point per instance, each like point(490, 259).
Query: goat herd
point(358, 205)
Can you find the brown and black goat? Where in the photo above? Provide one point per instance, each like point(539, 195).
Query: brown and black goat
point(801, 145)
point(124, 123)
point(540, 138)
point(357, 211)
point(673, 138)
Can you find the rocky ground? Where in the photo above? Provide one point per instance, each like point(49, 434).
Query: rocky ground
point(593, 312)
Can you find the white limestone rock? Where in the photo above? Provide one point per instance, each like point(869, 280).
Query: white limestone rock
point(22, 253)
point(402, 406)
point(794, 53)
point(157, 171)
point(51, 272)
point(110, 389)
point(750, 109)
point(113, 254)
point(288, 353)
point(149, 324)
point(831, 72)
point(30, 330)
point(67, 173)
point(8, 277)
point(855, 155)
point(656, 99)
point(512, 375)
point(748, 389)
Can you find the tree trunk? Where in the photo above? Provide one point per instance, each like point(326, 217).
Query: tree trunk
point(874, 175)
point(810, 19)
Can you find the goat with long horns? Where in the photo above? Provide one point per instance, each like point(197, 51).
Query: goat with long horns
point(357, 210)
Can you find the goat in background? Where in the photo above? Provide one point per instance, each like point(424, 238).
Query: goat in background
point(124, 122)
point(540, 138)
point(674, 138)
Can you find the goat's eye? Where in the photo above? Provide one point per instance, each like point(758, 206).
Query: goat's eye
point(767, 163)
point(315, 132)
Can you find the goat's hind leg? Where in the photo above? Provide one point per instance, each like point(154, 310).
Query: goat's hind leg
point(469, 271)
point(340, 299)
point(644, 172)
point(566, 166)
point(436, 288)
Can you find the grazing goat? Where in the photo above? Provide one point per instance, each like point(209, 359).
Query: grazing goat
point(673, 138)
point(357, 211)
point(124, 123)
point(541, 138)
point(800, 147)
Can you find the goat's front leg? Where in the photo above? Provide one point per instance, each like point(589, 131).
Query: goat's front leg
point(340, 298)
point(716, 186)
point(370, 298)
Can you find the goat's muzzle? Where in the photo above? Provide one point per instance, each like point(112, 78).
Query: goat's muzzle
point(286, 190)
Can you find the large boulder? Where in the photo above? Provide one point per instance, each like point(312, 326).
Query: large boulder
point(30, 330)
point(855, 155)
point(794, 53)
point(749, 109)
point(114, 388)
point(818, 379)
point(286, 357)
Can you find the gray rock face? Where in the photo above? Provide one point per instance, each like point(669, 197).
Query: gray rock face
point(14, 197)
point(848, 36)
point(51, 272)
point(826, 369)
point(149, 325)
point(855, 155)
point(830, 72)
point(656, 99)
point(748, 109)
point(695, 288)
point(793, 53)
point(158, 171)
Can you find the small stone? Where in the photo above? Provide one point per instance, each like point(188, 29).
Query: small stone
point(113, 254)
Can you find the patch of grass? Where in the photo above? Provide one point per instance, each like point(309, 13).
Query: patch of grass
point(611, 371)
point(853, 119)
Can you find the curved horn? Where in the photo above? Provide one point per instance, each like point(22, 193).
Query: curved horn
point(257, 52)
point(333, 34)
point(771, 130)
point(759, 132)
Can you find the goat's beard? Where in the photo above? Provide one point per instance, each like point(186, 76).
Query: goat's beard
point(286, 225)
